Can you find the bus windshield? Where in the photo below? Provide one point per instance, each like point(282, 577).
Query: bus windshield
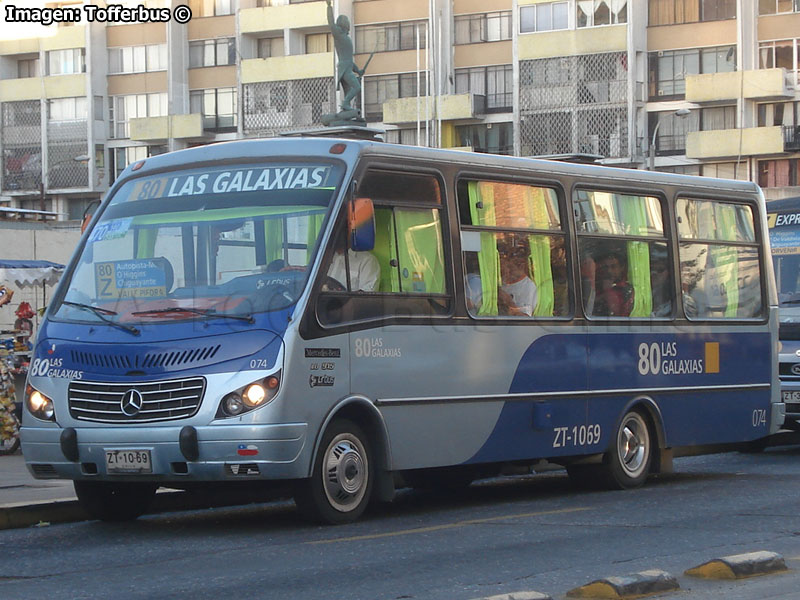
point(225, 242)
point(784, 234)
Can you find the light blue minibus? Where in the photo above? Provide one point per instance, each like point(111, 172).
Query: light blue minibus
point(352, 316)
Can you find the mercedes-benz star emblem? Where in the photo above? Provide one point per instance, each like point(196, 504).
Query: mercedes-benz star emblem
point(131, 403)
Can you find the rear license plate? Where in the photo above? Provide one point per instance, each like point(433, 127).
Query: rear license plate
point(128, 461)
point(790, 396)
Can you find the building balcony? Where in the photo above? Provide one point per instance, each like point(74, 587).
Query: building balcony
point(288, 68)
point(451, 108)
point(283, 16)
point(147, 129)
point(762, 84)
point(730, 143)
point(33, 88)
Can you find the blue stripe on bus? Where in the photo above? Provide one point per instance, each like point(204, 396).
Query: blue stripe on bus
point(561, 426)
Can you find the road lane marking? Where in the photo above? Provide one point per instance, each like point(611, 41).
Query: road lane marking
point(375, 536)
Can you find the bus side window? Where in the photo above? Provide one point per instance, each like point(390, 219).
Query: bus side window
point(720, 273)
point(514, 250)
point(619, 235)
point(405, 273)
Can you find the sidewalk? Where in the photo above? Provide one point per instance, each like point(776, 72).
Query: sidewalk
point(27, 501)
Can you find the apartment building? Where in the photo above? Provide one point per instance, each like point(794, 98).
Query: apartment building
point(706, 87)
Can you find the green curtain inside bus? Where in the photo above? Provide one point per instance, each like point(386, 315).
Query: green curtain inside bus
point(273, 234)
point(314, 226)
point(536, 207)
point(634, 216)
point(146, 242)
point(420, 250)
point(481, 207)
point(726, 258)
point(385, 250)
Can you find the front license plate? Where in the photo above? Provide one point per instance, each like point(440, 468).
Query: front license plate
point(790, 396)
point(128, 461)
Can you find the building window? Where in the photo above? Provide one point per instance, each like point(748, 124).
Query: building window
point(776, 7)
point(779, 54)
point(218, 107)
point(786, 114)
point(211, 8)
point(28, 67)
point(212, 53)
point(317, 43)
point(122, 157)
point(137, 59)
point(488, 27)
point(67, 109)
point(134, 106)
point(381, 88)
point(406, 137)
point(63, 62)
point(493, 138)
point(391, 36)
point(673, 12)
point(668, 68)
point(672, 130)
point(717, 118)
point(547, 16)
point(495, 85)
point(778, 173)
point(269, 47)
point(594, 13)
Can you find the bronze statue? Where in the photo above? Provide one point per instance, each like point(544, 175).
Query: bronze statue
point(348, 75)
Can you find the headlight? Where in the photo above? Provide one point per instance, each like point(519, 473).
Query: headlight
point(249, 397)
point(39, 405)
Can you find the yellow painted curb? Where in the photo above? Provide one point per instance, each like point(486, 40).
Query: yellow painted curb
point(740, 566)
point(638, 585)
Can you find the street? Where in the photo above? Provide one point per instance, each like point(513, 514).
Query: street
point(503, 535)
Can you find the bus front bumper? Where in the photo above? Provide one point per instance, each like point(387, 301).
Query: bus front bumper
point(211, 453)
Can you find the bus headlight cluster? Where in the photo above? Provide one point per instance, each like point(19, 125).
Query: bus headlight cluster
point(249, 397)
point(39, 405)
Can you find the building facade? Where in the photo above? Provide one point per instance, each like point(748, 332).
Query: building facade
point(706, 87)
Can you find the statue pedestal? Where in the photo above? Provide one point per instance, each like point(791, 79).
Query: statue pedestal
point(342, 118)
point(349, 130)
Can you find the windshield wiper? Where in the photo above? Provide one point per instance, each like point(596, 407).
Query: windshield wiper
point(206, 312)
point(102, 313)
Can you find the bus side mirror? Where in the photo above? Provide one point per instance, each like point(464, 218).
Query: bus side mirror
point(361, 224)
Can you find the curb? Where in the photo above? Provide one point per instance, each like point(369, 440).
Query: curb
point(69, 511)
point(740, 566)
point(518, 596)
point(644, 583)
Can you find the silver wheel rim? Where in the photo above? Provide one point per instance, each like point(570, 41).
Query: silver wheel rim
point(345, 472)
point(633, 445)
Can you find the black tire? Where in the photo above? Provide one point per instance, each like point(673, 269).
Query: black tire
point(627, 463)
point(114, 502)
point(340, 485)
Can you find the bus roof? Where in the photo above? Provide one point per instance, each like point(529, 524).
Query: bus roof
point(784, 204)
point(301, 147)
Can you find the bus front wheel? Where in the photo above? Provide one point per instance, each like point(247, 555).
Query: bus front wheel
point(340, 485)
point(114, 501)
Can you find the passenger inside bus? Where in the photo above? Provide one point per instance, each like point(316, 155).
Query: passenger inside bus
point(517, 294)
point(614, 294)
point(659, 282)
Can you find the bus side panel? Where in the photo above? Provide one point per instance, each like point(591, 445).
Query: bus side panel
point(668, 368)
point(442, 389)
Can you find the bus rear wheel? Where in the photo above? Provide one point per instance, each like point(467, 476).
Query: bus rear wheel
point(628, 461)
point(114, 502)
point(340, 485)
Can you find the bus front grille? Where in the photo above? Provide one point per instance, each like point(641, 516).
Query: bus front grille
point(137, 402)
